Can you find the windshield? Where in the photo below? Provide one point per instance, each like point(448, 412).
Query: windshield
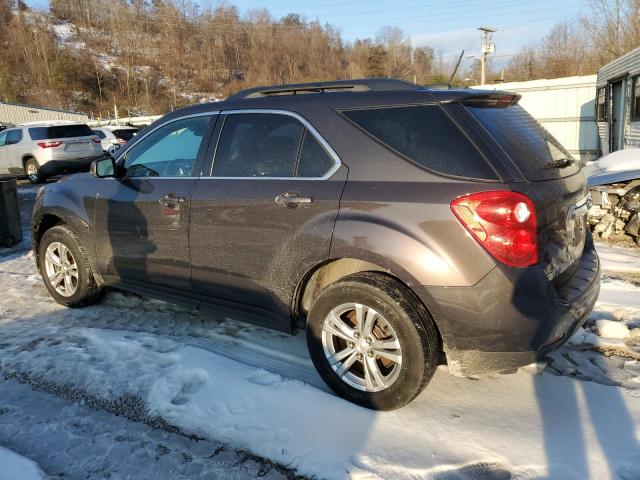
point(534, 150)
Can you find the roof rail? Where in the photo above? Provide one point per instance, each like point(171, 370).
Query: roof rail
point(360, 85)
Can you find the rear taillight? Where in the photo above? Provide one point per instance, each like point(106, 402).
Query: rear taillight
point(49, 144)
point(503, 222)
point(96, 140)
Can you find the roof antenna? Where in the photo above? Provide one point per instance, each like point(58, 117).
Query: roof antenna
point(455, 70)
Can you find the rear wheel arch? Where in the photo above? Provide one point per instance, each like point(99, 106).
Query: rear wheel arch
point(328, 273)
point(26, 158)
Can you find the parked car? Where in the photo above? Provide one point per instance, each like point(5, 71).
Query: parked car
point(41, 150)
point(113, 137)
point(397, 224)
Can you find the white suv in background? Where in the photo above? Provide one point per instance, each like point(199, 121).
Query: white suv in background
point(114, 136)
point(43, 149)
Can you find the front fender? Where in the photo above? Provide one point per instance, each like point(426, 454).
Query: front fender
point(65, 202)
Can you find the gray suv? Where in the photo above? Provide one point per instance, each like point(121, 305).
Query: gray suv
point(401, 226)
point(43, 149)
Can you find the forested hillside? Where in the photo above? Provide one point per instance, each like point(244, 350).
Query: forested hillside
point(149, 56)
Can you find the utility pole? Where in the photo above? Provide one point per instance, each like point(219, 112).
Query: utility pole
point(487, 49)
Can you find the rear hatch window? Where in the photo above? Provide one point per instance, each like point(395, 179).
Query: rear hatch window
point(425, 135)
point(60, 131)
point(535, 152)
point(125, 134)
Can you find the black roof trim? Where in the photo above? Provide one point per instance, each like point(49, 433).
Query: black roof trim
point(360, 85)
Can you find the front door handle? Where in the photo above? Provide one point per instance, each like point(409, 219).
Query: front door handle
point(171, 200)
point(293, 200)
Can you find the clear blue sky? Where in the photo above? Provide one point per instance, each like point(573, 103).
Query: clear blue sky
point(448, 26)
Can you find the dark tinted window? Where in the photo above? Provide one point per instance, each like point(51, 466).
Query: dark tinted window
point(526, 142)
point(60, 131)
point(314, 160)
point(13, 137)
point(635, 99)
point(100, 134)
point(125, 134)
point(258, 145)
point(425, 135)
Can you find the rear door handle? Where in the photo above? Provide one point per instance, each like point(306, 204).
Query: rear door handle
point(170, 200)
point(293, 200)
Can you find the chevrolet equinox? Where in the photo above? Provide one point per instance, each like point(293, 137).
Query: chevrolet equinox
point(399, 225)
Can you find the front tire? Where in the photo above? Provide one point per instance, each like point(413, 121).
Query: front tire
point(32, 171)
point(64, 267)
point(372, 341)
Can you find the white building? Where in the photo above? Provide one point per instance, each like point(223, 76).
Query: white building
point(565, 107)
point(13, 114)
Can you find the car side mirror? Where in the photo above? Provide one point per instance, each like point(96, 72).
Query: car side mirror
point(103, 167)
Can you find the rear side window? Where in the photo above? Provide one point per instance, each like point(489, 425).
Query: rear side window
point(425, 135)
point(100, 134)
point(60, 131)
point(526, 142)
point(125, 134)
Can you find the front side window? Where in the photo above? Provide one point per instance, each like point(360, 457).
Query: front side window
point(601, 108)
point(170, 151)
point(635, 99)
point(3, 138)
point(13, 137)
point(269, 145)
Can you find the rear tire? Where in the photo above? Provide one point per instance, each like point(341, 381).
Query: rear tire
point(65, 269)
point(32, 171)
point(380, 360)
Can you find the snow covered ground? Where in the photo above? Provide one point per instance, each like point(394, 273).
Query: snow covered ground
point(138, 386)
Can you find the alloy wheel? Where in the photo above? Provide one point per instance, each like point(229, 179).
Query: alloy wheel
point(61, 268)
point(361, 347)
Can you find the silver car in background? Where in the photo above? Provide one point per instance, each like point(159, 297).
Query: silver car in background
point(113, 137)
point(43, 149)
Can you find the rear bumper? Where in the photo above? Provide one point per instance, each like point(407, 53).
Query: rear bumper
point(57, 167)
point(513, 317)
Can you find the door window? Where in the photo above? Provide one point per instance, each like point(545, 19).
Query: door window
point(3, 138)
point(13, 137)
point(269, 145)
point(601, 109)
point(258, 145)
point(314, 159)
point(170, 151)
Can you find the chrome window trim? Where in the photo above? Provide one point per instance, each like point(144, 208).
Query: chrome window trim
point(334, 156)
point(160, 125)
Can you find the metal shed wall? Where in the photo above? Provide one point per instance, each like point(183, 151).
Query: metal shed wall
point(11, 113)
point(625, 67)
point(565, 107)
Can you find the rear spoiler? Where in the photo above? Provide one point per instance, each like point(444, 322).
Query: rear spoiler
point(491, 100)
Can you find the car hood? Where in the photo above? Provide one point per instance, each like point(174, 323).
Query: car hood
point(620, 166)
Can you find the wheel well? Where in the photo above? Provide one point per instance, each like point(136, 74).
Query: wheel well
point(45, 223)
point(25, 159)
point(324, 275)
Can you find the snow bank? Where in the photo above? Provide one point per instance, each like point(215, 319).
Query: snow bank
point(618, 259)
point(14, 467)
point(619, 161)
point(611, 329)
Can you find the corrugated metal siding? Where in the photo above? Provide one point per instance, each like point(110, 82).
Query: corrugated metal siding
point(624, 67)
point(15, 114)
point(627, 64)
point(565, 107)
point(603, 132)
